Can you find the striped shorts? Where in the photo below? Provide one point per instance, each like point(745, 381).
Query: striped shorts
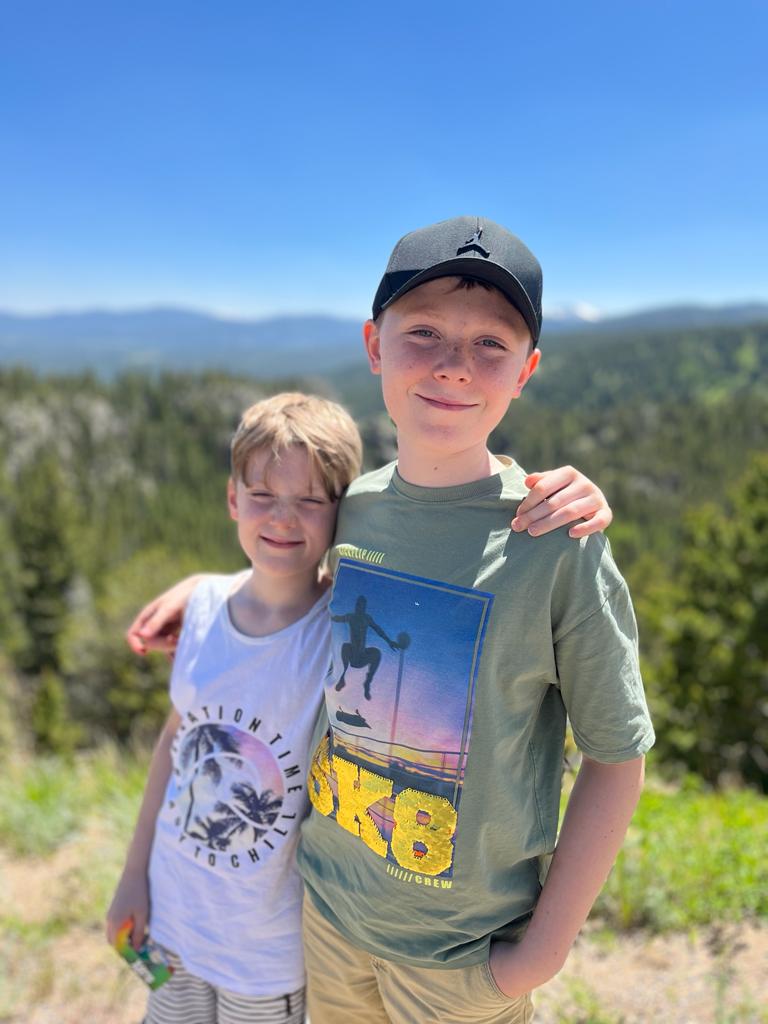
point(186, 999)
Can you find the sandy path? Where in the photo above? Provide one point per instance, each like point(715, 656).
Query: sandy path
point(713, 977)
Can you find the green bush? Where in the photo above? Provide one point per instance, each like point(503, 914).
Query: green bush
point(45, 801)
point(692, 857)
point(706, 641)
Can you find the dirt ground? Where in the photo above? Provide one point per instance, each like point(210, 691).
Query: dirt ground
point(718, 976)
point(711, 977)
point(675, 980)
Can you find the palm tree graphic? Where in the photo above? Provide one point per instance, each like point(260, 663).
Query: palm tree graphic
point(256, 809)
point(213, 831)
point(249, 810)
point(199, 751)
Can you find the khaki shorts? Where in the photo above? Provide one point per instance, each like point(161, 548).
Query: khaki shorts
point(349, 986)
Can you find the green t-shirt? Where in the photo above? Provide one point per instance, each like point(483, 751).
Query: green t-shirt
point(459, 647)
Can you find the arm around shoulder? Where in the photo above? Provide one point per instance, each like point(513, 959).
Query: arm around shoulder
point(158, 624)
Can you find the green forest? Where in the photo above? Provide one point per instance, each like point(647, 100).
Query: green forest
point(110, 490)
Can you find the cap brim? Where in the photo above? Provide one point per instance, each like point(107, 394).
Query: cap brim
point(481, 270)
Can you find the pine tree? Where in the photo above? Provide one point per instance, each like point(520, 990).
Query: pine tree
point(42, 526)
point(709, 670)
point(42, 529)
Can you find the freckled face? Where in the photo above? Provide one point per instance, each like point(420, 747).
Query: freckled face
point(451, 360)
point(285, 519)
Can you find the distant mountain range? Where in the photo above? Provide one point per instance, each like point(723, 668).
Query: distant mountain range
point(176, 339)
point(658, 318)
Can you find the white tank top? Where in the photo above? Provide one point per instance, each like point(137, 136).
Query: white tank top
point(225, 893)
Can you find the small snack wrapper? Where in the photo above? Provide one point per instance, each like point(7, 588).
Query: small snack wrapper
point(149, 963)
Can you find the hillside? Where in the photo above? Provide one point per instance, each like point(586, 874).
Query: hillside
point(169, 339)
point(111, 489)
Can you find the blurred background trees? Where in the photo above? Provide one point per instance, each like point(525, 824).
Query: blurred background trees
point(110, 490)
point(707, 630)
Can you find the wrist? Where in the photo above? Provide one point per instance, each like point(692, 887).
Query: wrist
point(524, 966)
point(547, 954)
point(136, 866)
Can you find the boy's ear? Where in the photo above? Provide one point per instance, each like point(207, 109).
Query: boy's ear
point(372, 345)
point(528, 370)
point(232, 499)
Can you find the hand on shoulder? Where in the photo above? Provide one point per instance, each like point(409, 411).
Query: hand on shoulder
point(158, 624)
point(558, 497)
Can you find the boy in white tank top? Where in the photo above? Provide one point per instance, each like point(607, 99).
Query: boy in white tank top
point(211, 866)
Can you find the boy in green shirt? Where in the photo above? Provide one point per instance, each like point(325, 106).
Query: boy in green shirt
point(459, 648)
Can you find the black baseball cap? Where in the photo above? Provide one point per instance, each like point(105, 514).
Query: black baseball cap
point(465, 247)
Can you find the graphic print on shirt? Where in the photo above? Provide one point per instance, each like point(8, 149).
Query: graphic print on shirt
point(406, 652)
point(233, 794)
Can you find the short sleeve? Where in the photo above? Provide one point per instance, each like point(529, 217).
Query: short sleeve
point(597, 663)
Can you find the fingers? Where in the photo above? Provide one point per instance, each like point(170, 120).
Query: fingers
point(165, 643)
point(135, 643)
point(158, 624)
point(160, 629)
point(115, 923)
point(544, 485)
point(139, 929)
point(595, 524)
point(560, 497)
point(137, 919)
point(155, 628)
point(533, 478)
point(582, 501)
point(135, 635)
point(135, 935)
point(573, 510)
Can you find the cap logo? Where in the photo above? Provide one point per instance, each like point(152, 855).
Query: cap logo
point(473, 245)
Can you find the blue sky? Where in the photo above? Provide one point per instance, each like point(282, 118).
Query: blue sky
point(252, 159)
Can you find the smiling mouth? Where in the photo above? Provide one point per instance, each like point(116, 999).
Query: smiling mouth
point(443, 403)
point(281, 543)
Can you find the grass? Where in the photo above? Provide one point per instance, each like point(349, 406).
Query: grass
point(64, 827)
point(691, 858)
point(724, 947)
point(44, 802)
point(585, 1007)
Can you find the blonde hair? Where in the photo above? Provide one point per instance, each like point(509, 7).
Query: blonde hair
point(322, 428)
